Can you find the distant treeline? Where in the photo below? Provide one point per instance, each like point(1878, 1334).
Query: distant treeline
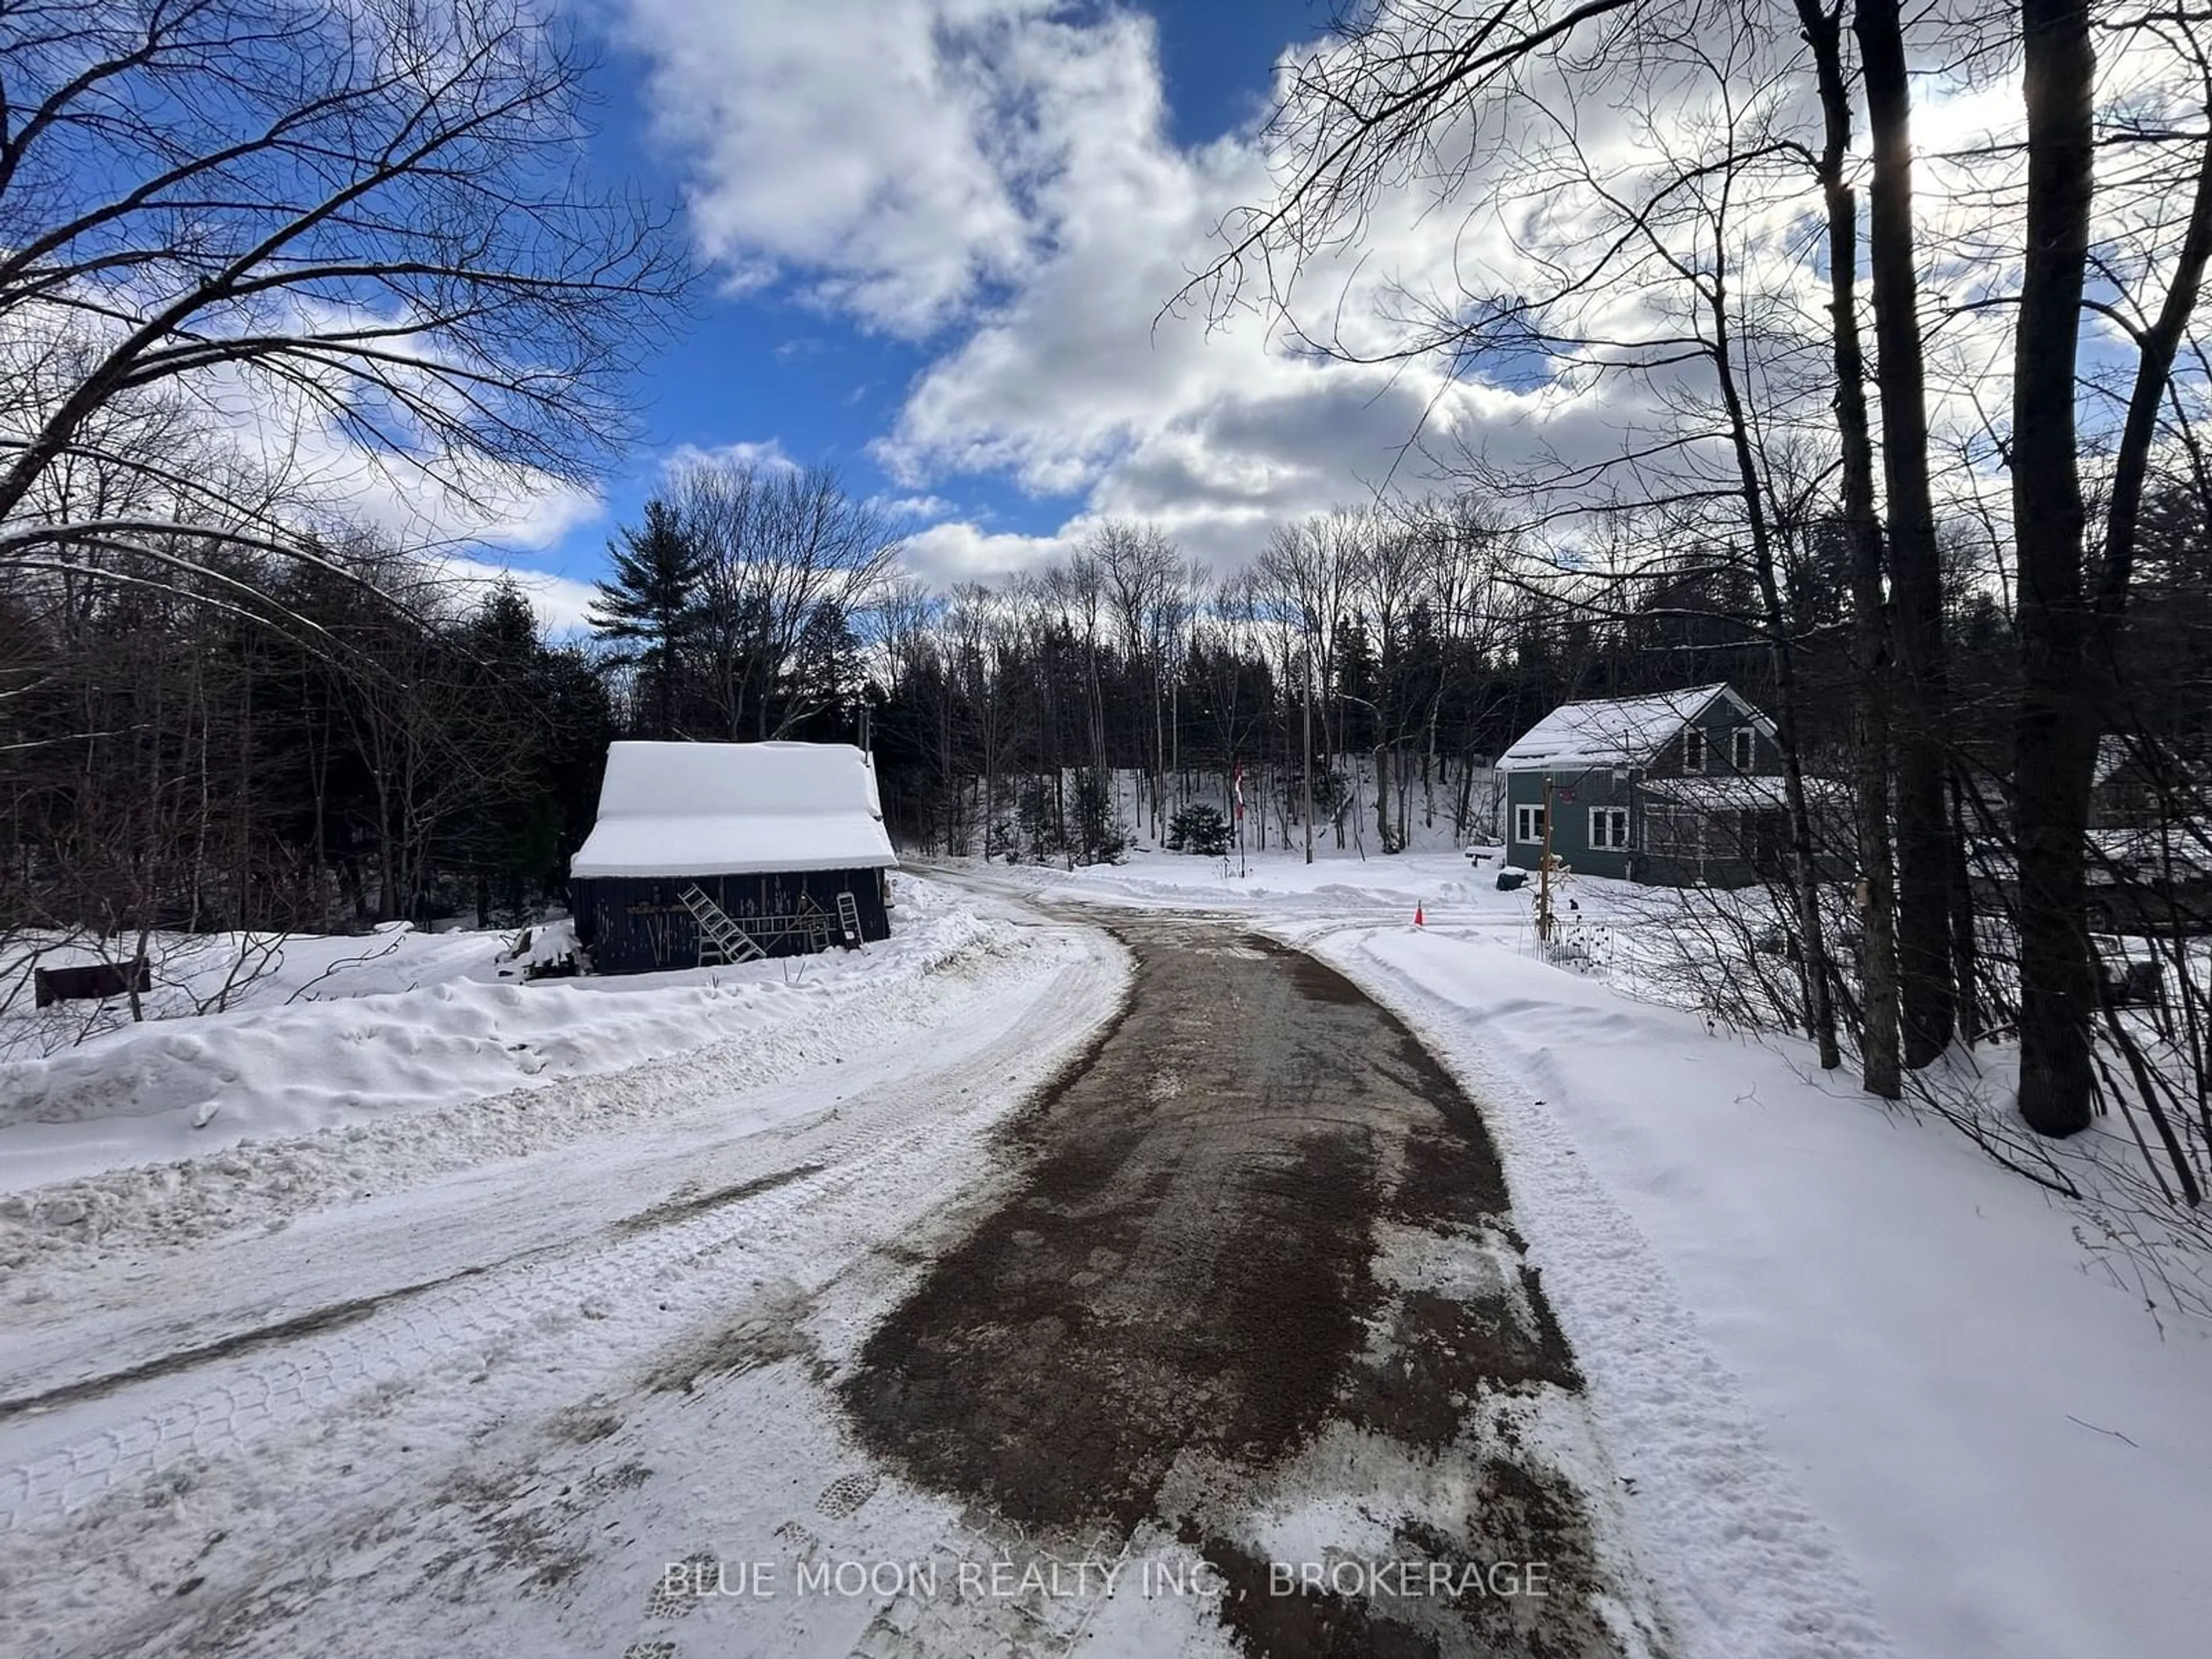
point(359, 736)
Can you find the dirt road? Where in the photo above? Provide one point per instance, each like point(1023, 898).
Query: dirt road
point(1259, 1234)
point(1182, 1316)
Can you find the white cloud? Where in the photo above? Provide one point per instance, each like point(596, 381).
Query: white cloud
point(767, 456)
point(998, 176)
point(925, 508)
point(268, 447)
point(560, 602)
point(945, 554)
point(884, 150)
point(1000, 170)
point(523, 511)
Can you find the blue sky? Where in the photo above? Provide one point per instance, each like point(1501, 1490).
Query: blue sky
point(932, 260)
point(770, 366)
point(937, 236)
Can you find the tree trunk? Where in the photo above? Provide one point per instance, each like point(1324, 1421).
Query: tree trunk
point(1921, 724)
point(1880, 1070)
point(1965, 966)
point(1382, 800)
point(2055, 743)
point(1804, 874)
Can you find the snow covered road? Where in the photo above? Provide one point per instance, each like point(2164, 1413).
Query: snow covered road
point(231, 1416)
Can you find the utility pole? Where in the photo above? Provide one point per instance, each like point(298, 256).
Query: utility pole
point(1305, 766)
point(1160, 750)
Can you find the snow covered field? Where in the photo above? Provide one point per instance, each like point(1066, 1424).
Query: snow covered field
point(1790, 1302)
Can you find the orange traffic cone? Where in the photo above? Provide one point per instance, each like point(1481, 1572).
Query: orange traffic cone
point(1417, 914)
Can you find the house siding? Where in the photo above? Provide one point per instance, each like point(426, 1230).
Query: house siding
point(1623, 786)
point(1571, 839)
point(1719, 718)
point(637, 925)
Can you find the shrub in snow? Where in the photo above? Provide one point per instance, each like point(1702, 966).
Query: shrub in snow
point(1105, 839)
point(1199, 828)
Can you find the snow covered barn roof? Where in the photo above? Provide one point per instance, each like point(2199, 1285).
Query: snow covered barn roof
point(734, 808)
point(1615, 730)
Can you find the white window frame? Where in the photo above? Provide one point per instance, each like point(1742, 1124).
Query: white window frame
point(1743, 748)
point(1607, 815)
point(1526, 815)
point(1693, 748)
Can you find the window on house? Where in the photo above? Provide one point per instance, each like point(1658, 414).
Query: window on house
point(1693, 749)
point(1528, 825)
point(1684, 832)
point(1671, 832)
point(1740, 748)
point(1609, 827)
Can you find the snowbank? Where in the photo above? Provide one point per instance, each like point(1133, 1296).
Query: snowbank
point(187, 1087)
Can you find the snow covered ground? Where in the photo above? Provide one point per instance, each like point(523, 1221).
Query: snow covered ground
point(1802, 1315)
point(355, 1065)
point(467, 1285)
point(465, 1379)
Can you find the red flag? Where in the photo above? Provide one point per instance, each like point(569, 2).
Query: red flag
point(1237, 780)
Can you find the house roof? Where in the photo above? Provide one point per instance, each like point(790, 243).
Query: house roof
point(2141, 855)
point(1615, 730)
point(734, 808)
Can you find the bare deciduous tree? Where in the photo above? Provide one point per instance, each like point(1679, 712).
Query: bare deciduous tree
point(785, 548)
point(337, 236)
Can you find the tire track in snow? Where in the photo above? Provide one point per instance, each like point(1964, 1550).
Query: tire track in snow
point(337, 1315)
point(70, 1224)
point(871, 1145)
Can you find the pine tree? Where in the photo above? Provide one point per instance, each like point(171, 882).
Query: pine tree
point(823, 688)
point(652, 601)
point(508, 841)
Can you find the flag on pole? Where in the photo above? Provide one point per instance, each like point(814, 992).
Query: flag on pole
point(1236, 782)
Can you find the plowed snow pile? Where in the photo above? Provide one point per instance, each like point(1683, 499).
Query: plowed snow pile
point(291, 1103)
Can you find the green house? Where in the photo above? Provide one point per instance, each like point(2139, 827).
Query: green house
point(1675, 789)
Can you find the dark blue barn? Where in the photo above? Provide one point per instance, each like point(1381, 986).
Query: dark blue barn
point(719, 852)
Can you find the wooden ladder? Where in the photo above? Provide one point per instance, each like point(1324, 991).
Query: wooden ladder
point(717, 932)
point(848, 918)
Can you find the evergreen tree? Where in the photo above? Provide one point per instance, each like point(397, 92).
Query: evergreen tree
point(651, 603)
point(506, 840)
point(822, 689)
